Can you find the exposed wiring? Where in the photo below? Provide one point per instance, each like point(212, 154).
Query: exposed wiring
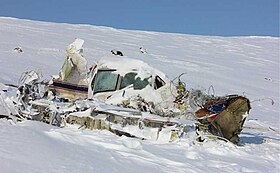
point(178, 77)
point(211, 86)
point(179, 80)
point(267, 98)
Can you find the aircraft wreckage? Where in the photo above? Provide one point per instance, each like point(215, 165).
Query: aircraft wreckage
point(127, 97)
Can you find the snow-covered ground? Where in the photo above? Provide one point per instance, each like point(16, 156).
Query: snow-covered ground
point(233, 65)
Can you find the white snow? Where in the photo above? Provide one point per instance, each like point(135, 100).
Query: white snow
point(233, 65)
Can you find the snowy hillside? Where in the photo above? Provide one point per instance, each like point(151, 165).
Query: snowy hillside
point(233, 65)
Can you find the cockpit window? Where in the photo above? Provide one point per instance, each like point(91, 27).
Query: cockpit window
point(158, 83)
point(137, 83)
point(104, 81)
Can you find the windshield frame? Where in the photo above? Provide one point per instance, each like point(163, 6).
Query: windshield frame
point(93, 83)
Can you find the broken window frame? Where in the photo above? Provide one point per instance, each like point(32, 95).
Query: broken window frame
point(136, 82)
point(158, 80)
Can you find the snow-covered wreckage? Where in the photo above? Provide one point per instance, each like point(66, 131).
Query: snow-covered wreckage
point(128, 97)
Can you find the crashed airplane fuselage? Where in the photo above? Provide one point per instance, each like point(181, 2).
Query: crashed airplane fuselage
point(124, 81)
point(128, 97)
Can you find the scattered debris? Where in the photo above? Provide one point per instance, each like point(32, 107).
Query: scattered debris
point(224, 116)
point(73, 74)
point(116, 52)
point(142, 50)
point(18, 50)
